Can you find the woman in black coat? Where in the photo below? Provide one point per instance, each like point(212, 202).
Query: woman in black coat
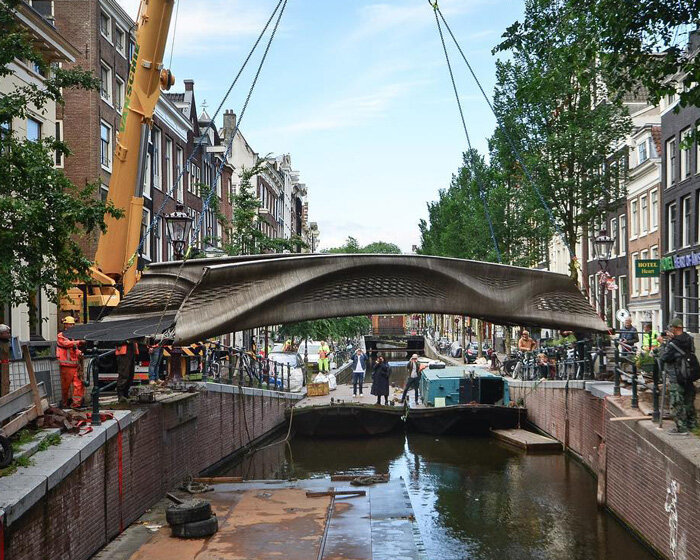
point(380, 380)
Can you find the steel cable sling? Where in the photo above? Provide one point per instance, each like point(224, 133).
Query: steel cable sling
point(516, 152)
point(198, 146)
point(480, 184)
point(224, 159)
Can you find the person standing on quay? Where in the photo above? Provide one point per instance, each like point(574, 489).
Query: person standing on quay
point(324, 353)
point(678, 345)
point(414, 369)
point(380, 380)
point(69, 362)
point(359, 365)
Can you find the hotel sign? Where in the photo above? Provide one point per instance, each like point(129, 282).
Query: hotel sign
point(684, 261)
point(646, 268)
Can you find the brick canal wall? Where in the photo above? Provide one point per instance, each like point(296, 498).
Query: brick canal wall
point(163, 444)
point(647, 478)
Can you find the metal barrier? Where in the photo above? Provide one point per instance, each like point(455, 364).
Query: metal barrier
point(568, 361)
point(46, 371)
point(628, 359)
point(238, 367)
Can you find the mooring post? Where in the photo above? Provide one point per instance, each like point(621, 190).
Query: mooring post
point(655, 391)
point(635, 397)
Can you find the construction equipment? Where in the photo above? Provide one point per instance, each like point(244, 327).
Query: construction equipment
point(115, 271)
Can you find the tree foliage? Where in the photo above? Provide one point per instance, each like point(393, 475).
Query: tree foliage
point(351, 245)
point(41, 212)
point(327, 329)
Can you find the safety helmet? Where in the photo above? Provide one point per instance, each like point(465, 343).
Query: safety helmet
point(69, 320)
point(4, 328)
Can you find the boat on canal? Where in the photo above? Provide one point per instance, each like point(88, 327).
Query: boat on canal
point(460, 400)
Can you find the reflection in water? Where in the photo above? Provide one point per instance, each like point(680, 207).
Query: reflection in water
point(473, 498)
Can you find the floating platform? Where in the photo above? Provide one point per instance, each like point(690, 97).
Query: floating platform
point(529, 441)
point(341, 414)
point(299, 520)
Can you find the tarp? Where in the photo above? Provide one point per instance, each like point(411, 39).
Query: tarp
point(119, 330)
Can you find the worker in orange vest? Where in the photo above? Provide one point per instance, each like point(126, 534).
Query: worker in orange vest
point(70, 362)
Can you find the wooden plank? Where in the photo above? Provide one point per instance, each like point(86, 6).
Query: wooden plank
point(4, 368)
point(629, 418)
point(529, 441)
point(36, 397)
point(16, 394)
point(336, 493)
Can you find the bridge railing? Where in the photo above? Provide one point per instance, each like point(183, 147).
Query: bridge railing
point(576, 361)
point(626, 369)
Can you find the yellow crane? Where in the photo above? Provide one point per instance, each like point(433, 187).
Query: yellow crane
point(115, 261)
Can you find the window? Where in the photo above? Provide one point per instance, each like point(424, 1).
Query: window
point(642, 151)
point(685, 154)
point(697, 149)
point(106, 146)
point(634, 226)
point(106, 82)
point(148, 168)
point(33, 129)
point(686, 222)
point(623, 234)
point(119, 95)
point(689, 275)
point(670, 162)
point(644, 214)
point(120, 40)
point(132, 48)
point(612, 230)
point(671, 294)
point(671, 212)
point(654, 254)
point(654, 210)
point(145, 222)
point(623, 289)
point(645, 281)
point(157, 241)
point(179, 159)
point(58, 154)
point(637, 281)
point(592, 291)
point(106, 26)
point(168, 165)
point(104, 192)
point(156, 163)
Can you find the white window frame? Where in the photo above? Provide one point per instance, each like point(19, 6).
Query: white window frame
point(158, 240)
point(686, 221)
point(119, 93)
point(637, 281)
point(671, 226)
point(110, 150)
point(108, 19)
point(613, 228)
point(670, 162)
point(145, 222)
point(684, 156)
point(104, 192)
point(654, 209)
point(642, 151)
point(634, 219)
point(644, 254)
point(643, 215)
point(106, 91)
point(39, 126)
point(654, 254)
point(179, 164)
point(156, 158)
point(121, 50)
point(168, 165)
point(622, 234)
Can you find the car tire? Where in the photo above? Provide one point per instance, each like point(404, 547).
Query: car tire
point(188, 512)
point(196, 529)
point(6, 454)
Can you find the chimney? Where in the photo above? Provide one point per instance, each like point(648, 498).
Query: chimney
point(229, 123)
point(189, 85)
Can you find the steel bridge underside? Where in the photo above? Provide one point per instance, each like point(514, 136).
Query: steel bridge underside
point(210, 297)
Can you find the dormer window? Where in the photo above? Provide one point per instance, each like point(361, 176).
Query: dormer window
point(643, 151)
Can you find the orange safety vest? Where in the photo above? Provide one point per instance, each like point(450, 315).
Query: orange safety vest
point(67, 351)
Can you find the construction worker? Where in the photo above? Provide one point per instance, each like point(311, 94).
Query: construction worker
point(287, 346)
point(650, 338)
point(324, 353)
point(70, 363)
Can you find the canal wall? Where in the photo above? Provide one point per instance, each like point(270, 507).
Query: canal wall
point(647, 478)
point(74, 500)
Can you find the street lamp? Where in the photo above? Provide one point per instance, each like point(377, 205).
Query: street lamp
point(178, 225)
point(602, 251)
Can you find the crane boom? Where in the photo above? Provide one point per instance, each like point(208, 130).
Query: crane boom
point(146, 78)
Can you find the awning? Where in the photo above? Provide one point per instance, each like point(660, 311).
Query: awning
point(120, 330)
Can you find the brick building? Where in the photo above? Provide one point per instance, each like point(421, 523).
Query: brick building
point(36, 18)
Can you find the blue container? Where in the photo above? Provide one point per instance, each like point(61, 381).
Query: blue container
point(463, 385)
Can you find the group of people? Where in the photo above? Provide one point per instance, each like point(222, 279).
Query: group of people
point(381, 374)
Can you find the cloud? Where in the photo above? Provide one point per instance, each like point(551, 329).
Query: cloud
point(352, 111)
point(335, 233)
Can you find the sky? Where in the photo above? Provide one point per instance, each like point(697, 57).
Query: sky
point(357, 91)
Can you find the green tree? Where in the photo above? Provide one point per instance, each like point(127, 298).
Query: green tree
point(567, 123)
point(351, 245)
point(327, 329)
point(41, 212)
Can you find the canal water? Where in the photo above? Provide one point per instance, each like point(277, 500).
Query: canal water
point(473, 498)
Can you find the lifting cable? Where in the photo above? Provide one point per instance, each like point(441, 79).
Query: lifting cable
point(480, 184)
point(501, 126)
point(198, 146)
point(225, 157)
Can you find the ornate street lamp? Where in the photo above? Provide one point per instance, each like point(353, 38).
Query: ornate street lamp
point(178, 225)
point(602, 250)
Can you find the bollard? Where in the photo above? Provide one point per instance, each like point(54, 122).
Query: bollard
point(616, 377)
point(289, 377)
point(655, 392)
point(635, 397)
point(95, 421)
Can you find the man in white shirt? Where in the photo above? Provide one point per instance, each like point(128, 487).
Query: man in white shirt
point(359, 363)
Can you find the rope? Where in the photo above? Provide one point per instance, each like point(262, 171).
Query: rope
point(480, 185)
point(172, 43)
point(513, 147)
point(198, 146)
